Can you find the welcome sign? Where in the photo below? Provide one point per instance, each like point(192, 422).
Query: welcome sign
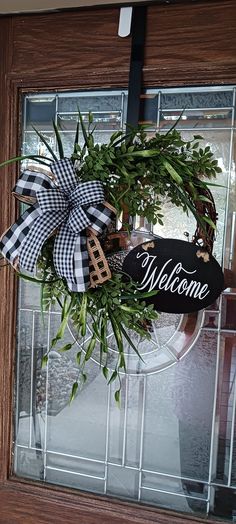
point(186, 277)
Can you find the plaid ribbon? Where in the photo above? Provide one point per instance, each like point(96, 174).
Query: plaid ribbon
point(62, 204)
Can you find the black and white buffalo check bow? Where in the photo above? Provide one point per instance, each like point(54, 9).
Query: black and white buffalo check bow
point(63, 204)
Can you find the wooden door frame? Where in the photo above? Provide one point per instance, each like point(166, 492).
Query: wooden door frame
point(21, 500)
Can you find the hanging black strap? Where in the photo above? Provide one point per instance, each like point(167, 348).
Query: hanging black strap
point(138, 30)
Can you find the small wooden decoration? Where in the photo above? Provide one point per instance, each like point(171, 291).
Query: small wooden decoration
point(98, 265)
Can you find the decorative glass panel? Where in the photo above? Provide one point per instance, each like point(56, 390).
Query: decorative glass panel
point(172, 442)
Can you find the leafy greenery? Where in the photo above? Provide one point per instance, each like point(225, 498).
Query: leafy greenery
point(114, 307)
point(137, 172)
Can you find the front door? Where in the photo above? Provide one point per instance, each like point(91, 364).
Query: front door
point(171, 445)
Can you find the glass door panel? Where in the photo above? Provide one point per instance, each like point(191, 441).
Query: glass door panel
point(172, 442)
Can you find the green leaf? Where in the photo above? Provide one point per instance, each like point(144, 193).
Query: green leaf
point(90, 349)
point(140, 296)
point(45, 142)
point(130, 342)
point(78, 357)
point(117, 331)
point(66, 310)
point(103, 343)
point(117, 397)
point(128, 309)
point(105, 371)
point(36, 280)
point(76, 138)
point(67, 347)
point(74, 391)
point(26, 157)
point(45, 297)
point(59, 140)
point(84, 377)
point(90, 118)
point(203, 198)
point(122, 363)
point(173, 173)
point(113, 377)
point(83, 315)
point(175, 123)
point(209, 221)
point(44, 361)
point(145, 153)
point(115, 136)
point(212, 184)
point(85, 135)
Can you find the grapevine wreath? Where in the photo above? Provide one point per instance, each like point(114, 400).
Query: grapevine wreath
point(65, 235)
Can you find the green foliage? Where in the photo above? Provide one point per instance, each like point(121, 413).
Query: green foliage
point(117, 306)
point(137, 172)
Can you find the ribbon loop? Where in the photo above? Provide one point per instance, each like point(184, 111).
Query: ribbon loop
point(65, 175)
point(32, 181)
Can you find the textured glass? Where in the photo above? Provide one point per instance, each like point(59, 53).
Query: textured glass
point(195, 119)
point(39, 111)
point(172, 442)
point(103, 101)
point(197, 98)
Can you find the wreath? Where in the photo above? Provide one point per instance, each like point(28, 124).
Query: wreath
point(63, 235)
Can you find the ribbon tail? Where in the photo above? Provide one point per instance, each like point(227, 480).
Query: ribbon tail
point(41, 229)
point(71, 258)
point(10, 242)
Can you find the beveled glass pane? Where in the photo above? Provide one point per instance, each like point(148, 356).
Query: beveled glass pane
point(172, 441)
point(196, 118)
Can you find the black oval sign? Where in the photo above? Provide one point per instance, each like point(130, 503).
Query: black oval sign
point(187, 278)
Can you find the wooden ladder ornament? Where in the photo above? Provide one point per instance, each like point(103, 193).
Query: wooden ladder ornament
point(98, 265)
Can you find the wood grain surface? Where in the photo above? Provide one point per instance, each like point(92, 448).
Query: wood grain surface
point(191, 44)
point(32, 504)
point(187, 44)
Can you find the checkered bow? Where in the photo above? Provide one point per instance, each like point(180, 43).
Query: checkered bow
point(63, 204)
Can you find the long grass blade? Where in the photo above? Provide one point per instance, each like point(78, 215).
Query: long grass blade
point(45, 142)
point(76, 138)
point(85, 134)
point(59, 140)
point(26, 157)
point(36, 280)
point(124, 332)
point(175, 123)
